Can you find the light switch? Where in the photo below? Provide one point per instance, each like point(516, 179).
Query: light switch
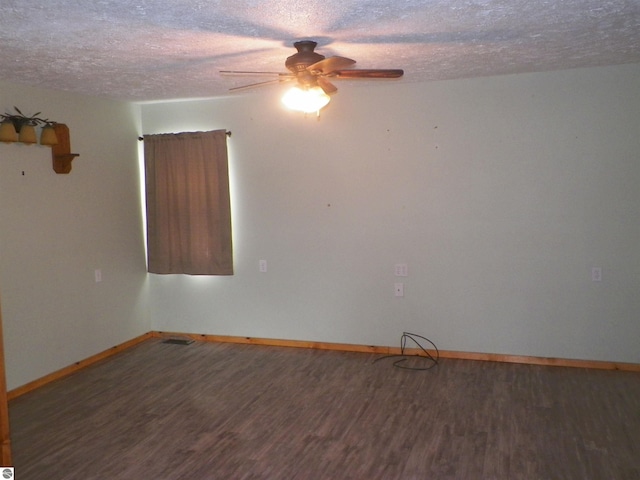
point(262, 266)
point(401, 270)
point(399, 289)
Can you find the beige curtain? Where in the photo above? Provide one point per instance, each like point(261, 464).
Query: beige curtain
point(188, 207)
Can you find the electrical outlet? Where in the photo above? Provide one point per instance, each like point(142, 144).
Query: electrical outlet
point(596, 274)
point(262, 266)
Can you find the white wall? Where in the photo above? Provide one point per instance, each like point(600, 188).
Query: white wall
point(499, 193)
point(55, 230)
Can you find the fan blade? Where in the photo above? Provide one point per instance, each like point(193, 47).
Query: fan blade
point(240, 72)
point(258, 84)
point(327, 86)
point(330, 65)
point(371, 73)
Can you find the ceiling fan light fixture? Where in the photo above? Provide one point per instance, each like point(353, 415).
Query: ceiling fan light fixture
point(312, 72)
point(306, 100)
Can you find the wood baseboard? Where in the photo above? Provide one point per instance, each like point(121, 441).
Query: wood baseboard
point(347, 347)
point(71, 369)
point(273, 342)
point(344, 347)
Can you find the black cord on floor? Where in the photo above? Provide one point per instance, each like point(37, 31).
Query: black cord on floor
point(432, 361)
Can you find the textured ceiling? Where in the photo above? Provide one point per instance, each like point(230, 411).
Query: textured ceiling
point(164, 49)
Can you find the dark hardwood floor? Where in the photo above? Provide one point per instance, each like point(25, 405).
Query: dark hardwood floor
point(225, 411)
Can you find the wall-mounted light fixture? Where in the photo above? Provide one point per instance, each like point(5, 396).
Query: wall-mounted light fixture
point(17, 127)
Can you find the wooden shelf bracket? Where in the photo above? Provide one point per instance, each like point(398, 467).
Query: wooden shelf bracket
point(61, 155)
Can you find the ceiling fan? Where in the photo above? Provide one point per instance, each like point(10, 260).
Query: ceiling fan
point(312, 72)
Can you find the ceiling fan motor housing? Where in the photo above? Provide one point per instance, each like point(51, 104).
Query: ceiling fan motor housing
point(305, 56)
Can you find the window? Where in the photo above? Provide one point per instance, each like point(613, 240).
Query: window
point(188, 206)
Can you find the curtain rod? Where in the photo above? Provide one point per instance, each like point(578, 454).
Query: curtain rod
point(228, 133)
